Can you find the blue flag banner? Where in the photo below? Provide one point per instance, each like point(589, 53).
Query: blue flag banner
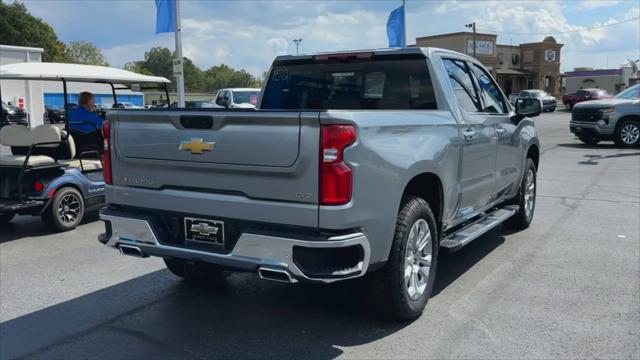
point(165, 16)
point(395, 27)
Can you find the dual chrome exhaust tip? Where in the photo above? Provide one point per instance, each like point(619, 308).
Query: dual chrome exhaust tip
point(279, 275)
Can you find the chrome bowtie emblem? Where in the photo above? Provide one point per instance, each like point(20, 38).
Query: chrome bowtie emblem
point(196, 146)
point(204, 229)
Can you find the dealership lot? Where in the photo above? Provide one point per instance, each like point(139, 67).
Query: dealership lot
point(566, 287)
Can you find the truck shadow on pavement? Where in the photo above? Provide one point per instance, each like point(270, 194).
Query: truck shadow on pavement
point(158, 316)
point(32, 226)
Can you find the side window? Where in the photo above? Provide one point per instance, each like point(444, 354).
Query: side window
point(491, 96)
point(462, 85)
point(219, 98)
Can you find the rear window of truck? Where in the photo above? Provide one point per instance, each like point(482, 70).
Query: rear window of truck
point(371, 84)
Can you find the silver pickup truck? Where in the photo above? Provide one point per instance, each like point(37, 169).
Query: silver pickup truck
point(356, 163)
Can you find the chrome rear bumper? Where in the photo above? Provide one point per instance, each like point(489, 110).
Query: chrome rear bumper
point(251, 252)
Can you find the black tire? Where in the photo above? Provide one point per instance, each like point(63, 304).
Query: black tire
point(6, 218)
point(589, 140)
point(65, 211)
point(627, 133)
point(195, 271)
point(390, 283)
point(522, 219)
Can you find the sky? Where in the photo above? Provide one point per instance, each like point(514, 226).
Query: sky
point(249, 34)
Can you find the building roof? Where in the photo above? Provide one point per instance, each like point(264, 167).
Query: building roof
point(454, 34)
point(21, 48)
point(75, 72)
point(602, 72)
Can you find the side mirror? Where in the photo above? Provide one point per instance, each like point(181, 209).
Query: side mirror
point(528, 107)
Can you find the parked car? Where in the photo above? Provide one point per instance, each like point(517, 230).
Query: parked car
point(12, 115)
point(53, 114)
point(200, 104)
point(237, 98)
point(616, 119)
point(126, 105)
point(512, 98)
point(548, 101)
point(247, 191)
point(570, 100)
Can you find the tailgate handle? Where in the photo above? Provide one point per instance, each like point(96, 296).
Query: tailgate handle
point(196, 121)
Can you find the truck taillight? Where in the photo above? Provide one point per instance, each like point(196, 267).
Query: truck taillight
point(335, 174)
point(106, 155)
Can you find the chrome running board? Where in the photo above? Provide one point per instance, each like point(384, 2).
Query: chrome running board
point(474, 230)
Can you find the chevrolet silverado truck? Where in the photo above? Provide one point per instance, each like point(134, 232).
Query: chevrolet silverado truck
point(616, 119)
point(354, 164)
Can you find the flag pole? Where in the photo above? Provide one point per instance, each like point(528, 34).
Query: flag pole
point(179, 73)
point(404, 22)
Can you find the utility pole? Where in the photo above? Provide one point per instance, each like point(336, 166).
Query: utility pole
point(404, 22)
point(297, 41)
point(178, 68)
point(473, 26)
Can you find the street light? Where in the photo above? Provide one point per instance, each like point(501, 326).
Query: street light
point(473, 26)
point(297, 42)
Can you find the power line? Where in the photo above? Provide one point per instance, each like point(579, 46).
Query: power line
point(561, 32)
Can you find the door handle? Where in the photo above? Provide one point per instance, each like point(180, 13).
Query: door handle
point(469, 134)
point(501, 131)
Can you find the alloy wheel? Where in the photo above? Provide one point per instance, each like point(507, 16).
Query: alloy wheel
point(417, 264)
point(529, 193)
point(630, 133)
point(69, 209)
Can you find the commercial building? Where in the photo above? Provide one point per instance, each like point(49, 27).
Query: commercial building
point(612, 80)
point(525, 66)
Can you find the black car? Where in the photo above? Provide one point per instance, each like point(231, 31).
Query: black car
point(548, 101)
point(53, 114)
point(12, 115)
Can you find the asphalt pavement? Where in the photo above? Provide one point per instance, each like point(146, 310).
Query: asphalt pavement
point(567, 287)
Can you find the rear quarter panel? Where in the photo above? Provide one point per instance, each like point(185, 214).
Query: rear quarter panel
point(392, 147)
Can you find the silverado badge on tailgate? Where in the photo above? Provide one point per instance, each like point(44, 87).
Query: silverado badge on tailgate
point(196, 146)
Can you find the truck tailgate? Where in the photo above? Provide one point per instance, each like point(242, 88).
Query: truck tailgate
point(261, 155)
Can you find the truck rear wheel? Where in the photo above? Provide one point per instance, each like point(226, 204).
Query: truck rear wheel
point(195, 271)
point(404, 284)
point(65, 211)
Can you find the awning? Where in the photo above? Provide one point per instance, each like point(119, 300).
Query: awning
point(514, 72)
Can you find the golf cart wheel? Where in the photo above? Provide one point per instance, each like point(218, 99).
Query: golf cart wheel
point(65, 211)
point(6, 218)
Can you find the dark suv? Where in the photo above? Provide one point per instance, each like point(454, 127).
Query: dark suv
point(12, 115)
point(548, 101)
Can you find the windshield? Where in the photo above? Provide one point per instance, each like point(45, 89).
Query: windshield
point(368, 84)
point(246, 97)
point(632, 93)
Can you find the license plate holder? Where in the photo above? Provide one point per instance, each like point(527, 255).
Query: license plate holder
point(206, 231)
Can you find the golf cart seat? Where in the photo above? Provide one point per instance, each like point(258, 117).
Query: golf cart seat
point(16, 136)
point(60, 147)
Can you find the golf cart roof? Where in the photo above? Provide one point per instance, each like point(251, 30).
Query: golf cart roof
point(75, 72)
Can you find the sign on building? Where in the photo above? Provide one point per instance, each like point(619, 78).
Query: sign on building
point(550, 55)
point(483, 47)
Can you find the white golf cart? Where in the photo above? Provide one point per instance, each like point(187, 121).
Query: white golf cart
point(52, 172)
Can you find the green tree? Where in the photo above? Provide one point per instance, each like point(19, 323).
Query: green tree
point(84, 52)
point(137, 67)
point(18, 27)
point(159, 61)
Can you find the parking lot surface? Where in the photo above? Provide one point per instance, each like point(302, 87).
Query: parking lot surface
point(568, 287)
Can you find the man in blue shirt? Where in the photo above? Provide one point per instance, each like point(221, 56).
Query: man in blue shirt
point(84, 113)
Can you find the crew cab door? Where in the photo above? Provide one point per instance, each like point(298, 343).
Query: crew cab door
point(477, 179)
point(496, 112)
